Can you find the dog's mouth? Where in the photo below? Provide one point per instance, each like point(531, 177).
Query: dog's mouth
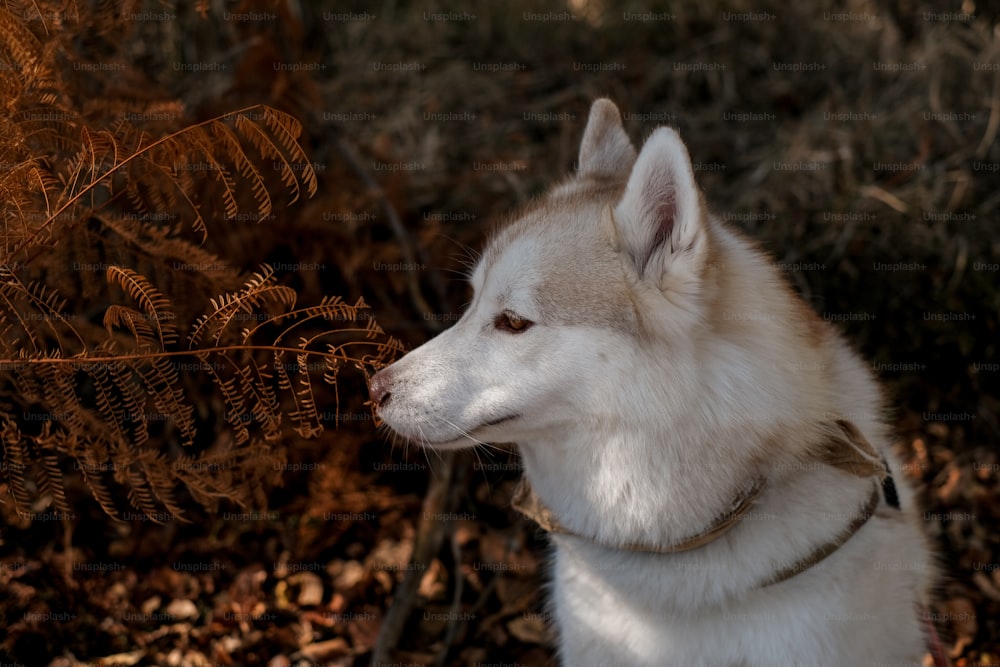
point(494, 422)
point(467, 437)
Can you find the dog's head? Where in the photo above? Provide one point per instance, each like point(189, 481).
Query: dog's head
point(564, 296)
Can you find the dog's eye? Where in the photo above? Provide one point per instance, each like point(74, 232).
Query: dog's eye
point(511, 323)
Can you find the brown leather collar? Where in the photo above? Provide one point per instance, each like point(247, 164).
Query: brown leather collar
point(530, 505)
point(844, 449)
point(822, 551)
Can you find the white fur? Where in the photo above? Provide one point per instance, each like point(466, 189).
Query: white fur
point(667, 364)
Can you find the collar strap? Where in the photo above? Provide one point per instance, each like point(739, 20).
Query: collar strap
point(530, 505)
point(847, 450)
point(844, 448)
point(822, 551)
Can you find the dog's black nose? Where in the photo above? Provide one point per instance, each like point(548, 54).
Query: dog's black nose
point(378, 387)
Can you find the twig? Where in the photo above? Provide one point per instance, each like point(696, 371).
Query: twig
point(441, 496)
point(440, 499)
point(458, 621)
point(456, 602)
point(411, 253)
point(994, 122)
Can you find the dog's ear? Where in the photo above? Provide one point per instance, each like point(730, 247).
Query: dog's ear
point(605, 148)
point(660, 221)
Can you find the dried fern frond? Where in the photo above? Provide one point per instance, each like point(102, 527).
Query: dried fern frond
point(260, 289)
point(261, 384)
point(155, 306)
point(127, 163)
point(130, 353)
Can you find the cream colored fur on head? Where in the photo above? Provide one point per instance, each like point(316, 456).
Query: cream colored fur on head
point(650, 362)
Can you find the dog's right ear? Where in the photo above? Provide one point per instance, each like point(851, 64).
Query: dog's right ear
point(660, 220)
point(605, 148)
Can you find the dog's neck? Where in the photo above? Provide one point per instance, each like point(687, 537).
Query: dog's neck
point(630, 489)
point(527, 502)
point(843, 448)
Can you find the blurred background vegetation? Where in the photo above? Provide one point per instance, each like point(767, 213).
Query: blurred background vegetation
point(857, 141)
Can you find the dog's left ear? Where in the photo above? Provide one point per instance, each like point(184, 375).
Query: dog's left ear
point(660, 221)
point(605, 148)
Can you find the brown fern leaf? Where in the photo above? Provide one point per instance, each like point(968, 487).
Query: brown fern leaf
point(266, 400)
point(27, 383)
point(137, 323)
point(260, 289)
point(224, 472)
point(50, 475)
point(62, 402)
point(132, 397)
point(270, 150)
point(141, 207)
point(235, 404)
point(330, 374)
point(15, 462)
point(164, 388)
point(330, 308)
point(388, 347)
point(141, 497)
point(265, 410)
point(171, 253)
point(161, 478)
point(147, 195)
point(91, 168)
point(383, 348)
point(93, 182)
point(284, 380)
point(198, 138)
point(138, 162)
point(60, 393)
point(51, 311)
point(106, 395)
point(288, 130)
point(47, 300)
point(182, 411)
point(122, 457)
point(37, 309)
point(167, 185)
point(21, 187)
point(17, 41)
point(306, 416)
point(12, 291)
point(155, 306)
point(210, 475)
point(92, 477)
point(244, 165)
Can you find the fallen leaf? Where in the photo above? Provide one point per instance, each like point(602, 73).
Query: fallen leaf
point(345, 574)
point(528, 629)
point(325, 650)
point(364, 631)
point(149, 605)
point(433, 584)
point(182, 609)
point(962, 616)
point(125, 659)
point(311, 588)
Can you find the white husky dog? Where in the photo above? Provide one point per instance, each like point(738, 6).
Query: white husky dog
point(710, 457)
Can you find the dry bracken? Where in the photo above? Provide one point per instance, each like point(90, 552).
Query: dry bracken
point(111, 367)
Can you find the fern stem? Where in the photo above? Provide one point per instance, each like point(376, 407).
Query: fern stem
point(222, 349)
point(118, 165)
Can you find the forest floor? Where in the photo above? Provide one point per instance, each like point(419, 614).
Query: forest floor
point(308, 579)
